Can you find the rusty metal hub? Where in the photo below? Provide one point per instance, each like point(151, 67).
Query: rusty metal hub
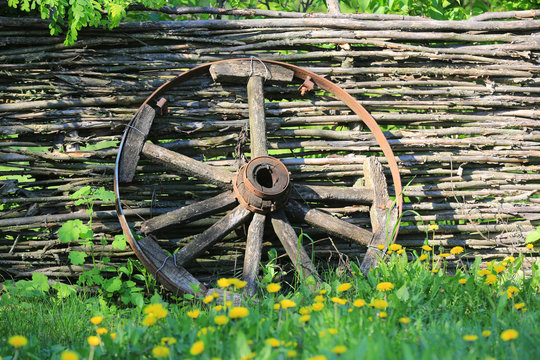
point(262, 185)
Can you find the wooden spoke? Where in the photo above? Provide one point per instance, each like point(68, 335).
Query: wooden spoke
point(257, 120)
point(357, 195)
point(383, 219)
point(328, 223)
point(212, 235)
point(190, 213)
point(188, 166)
point(294, 249)
point(171, 276)
point(253, 252)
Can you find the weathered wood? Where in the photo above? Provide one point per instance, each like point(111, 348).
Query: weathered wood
point(172, 276)
point(190, 212)
point(293, 246)
point(359, 195)
point(188, 166)
point(212, 235)
point(135, 137)
point(328, 223)
point(253, 252)
point(239, 71)
point(257, 119)
point(383, 214)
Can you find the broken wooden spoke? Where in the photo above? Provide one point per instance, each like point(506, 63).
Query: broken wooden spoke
point(328, 223)
point(359, 195)
point(187, 166)
point(190, 212)
point(253, 252)
point(292, 245)
point(212, 235)
point(257, 120)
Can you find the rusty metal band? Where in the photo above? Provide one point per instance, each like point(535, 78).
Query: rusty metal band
point(300, 73)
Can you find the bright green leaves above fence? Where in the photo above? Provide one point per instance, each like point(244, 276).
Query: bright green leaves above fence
point(74, 230)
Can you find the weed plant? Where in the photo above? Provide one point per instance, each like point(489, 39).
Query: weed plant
point(403, 309)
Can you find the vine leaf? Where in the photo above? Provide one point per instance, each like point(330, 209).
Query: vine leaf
point(73, 230)
point(77, 257)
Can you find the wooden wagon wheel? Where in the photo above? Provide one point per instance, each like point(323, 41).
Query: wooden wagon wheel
point(259, 190)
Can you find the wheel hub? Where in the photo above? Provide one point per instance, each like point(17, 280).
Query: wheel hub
point(262, 185)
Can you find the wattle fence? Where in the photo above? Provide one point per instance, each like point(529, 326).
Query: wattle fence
point(458, 100)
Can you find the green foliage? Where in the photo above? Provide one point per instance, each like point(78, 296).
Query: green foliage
point(533, 236)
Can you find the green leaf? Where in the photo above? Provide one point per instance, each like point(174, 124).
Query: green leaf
point(77, 257)
point(69, 231)
point(119, 242)
point(533, 236)
point(112, 285)
point(241, 345)
point(104, 195)
point(40, 282)
point(63, 290)
point(82, 192)
point(403, 293)
point(137, 300)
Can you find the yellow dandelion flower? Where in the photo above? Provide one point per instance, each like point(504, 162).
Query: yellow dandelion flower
point(272, 287)
point(344, 287)
point(427, 248)
point(470, 337)
point(519, 306)
point(486, 333)
point(273, 342)
point(291, 353)
point(249, 356)
point(433, 227)
point(101, 331)
point(491, 279)
point(149, 320)
point(304, 310)
point(160, 351)
point(240, 284)
point(168, 340)
point(318, 357)
point(250, 342)
point(434, 271)
point(322, 292)
point(215, 295)
point(238, 312)
point(380, 247)
point(228, 303)
point(483, 272)
point(277, 306)
point(193, 313)
point(223, 283)
point(333, 331)
point(233, 281)
point(318, 306)
point(509, 334)
point(287, 303)
point(385, 286)
point(404, 320)
point(529, 246)
point(197, 348)
point(462, 281)
point(93, 340)
point(339, 349)
point(383, 314)
point(208, 299)
point(96, 320)
point(443, 255)
point(68, 355)
point(18, 341)
point(359, 303)
point(394, 247)
point(400, 251)
point(221, 319)
point(113, 335)
point(379, 304)
point(322, 334)
point(218, 307)
point(511, 291)
point(157, 310)
point(339, 301)
point(456, 250)
point(422, 257)
point(499, 268)
point(304, 318)
point(319, 298)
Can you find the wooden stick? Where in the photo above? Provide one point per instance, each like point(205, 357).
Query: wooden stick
point(257, 120)
point(213, 234)
point(359, 195)
point(190, 213)
point(253, 252)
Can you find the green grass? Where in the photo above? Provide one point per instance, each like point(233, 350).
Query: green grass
point(441, 311)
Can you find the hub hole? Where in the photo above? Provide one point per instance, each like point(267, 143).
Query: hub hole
point(264, 178)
